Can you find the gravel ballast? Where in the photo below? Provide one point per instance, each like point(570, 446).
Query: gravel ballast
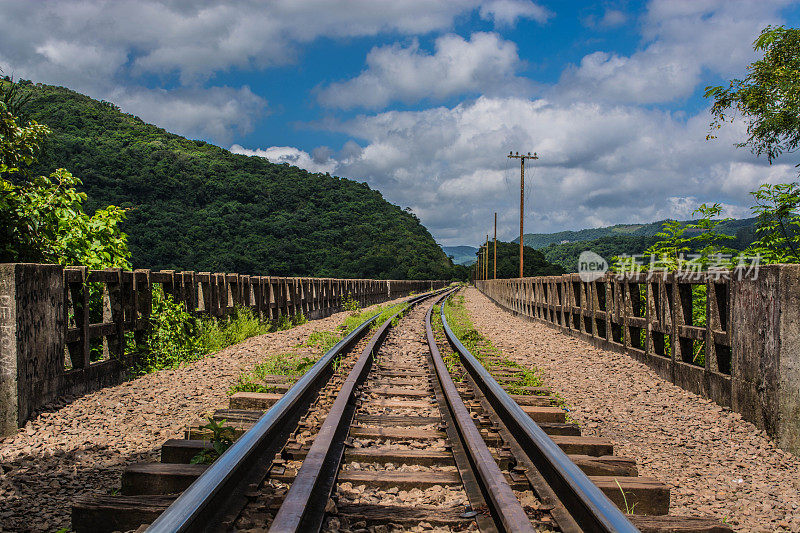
point(82, 447)
point(717, 464)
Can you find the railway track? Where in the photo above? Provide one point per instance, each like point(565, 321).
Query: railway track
point(378, 436)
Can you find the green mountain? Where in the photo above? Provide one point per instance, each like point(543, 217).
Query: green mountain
point(540, 240)
point(195, 206)
point(462, 255)
point(534, 262)
point(566, 254)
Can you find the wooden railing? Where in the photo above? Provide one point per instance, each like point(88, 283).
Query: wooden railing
point(728, 336)
point(127, 298)
point(67, 331)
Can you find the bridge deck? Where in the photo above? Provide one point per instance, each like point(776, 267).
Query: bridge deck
point(82, 447)
point(717, 463)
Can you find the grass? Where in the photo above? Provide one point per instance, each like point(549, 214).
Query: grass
point(482, 348)
point(177, 337)
point(293, 364)
point(450, 358)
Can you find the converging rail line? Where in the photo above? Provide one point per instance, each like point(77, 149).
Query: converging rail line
point(403, 430)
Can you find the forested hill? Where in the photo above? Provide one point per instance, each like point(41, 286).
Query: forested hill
point(195, 206)
point(540, 240)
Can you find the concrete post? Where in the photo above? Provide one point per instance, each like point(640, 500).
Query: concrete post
point(765, 329)
point(32, 332)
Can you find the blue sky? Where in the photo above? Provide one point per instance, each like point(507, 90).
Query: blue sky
point(422, 99)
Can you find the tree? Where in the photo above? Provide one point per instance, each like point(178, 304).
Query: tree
point(778, 223)
point(769, 99)
point(533, 260)
point(690, 245)
point(42, 217)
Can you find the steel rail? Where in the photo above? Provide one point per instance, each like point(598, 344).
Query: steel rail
point(506, 510)
point(587, 504)
point(303, 508)
point(201, 505)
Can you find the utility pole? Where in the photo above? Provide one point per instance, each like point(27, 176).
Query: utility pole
point(495, 246)
point(479, 268)
point(487, 257)
point(483, 258)
point(522, 159)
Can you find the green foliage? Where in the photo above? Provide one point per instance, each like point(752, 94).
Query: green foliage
point(192, 205)
point(215, 334)
point(350, 304)
point(768, 97)
point(450, 357)
point(534, 263)
point(482, 348)
point(677, 241)
point(221, 440)
point(172, 338)
point(285, 364)
point(177, 337)
point(567, 254)
point(292, 364)
point(672, 253)
point(388, 312)
point(357, 318)
point(778, 210)
point(42, 217)
point(769, 100)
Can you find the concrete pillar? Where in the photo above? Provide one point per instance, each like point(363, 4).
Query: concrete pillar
point(31, 339)
point(765, 329)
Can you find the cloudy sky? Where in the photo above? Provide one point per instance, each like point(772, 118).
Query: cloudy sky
point(423, 99)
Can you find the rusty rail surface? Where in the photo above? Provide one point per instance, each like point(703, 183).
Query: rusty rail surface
point(506, 510)
point(585, 502)
point(303, 509)
point(218, 494)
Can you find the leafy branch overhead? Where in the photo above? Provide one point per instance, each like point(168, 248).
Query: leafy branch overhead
point(768, 97)
point(42, 217)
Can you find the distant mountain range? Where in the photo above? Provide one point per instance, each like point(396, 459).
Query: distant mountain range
point(540, 240)
point(564, 247)
point(462, 255)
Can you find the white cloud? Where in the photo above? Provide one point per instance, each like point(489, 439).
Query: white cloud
point(216, 113)
point(112, 50)
point(506, 12)
point(599, 164)
point(197, 39)
point(485, 63)
point(288, 154)
point(681, 40)
point(612, 18)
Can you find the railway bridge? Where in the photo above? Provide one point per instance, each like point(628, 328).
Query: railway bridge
point(526, 404)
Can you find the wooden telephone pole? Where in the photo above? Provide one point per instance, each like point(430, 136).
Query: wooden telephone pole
point(495, 246)
point(487, 258)
point(522, 159)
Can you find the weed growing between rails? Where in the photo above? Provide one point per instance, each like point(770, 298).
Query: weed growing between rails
point(483, 349)
point(221, 439)
point(490, 356)
point(450, 358)
point(293, 364)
